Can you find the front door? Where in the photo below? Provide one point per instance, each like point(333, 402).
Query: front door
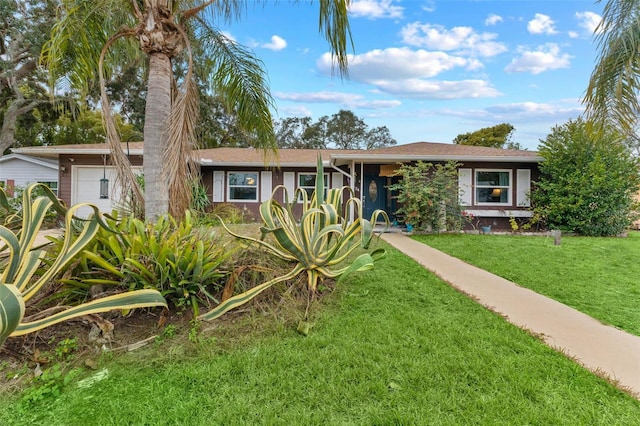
point(374, 195)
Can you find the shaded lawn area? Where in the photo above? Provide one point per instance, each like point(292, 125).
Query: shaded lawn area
point(390, 346)
point(597, 276)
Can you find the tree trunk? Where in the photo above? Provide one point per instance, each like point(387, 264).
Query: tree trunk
point(7, 134)
point(158, 108)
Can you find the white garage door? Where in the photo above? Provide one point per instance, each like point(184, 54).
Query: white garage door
point(85, 188)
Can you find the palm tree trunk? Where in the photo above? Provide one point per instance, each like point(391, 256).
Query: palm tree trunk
point(158, 108)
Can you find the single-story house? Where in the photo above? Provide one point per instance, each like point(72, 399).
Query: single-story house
point(494, 183)
point(19, 170)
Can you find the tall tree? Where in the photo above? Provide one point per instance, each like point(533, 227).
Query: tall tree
point(24, 27)
point(379, 137)
point(106, 33)
point(497, 136)
point(300, 132)
point(345, 130)
point(612, 94)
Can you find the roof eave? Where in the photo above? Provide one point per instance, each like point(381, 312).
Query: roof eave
point(462, 158)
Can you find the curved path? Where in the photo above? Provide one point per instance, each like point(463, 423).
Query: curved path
point(607, 351)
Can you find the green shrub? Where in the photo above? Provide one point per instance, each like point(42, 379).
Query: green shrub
point(429, 196)
point(319, 244)
point(184, 263)
point(22, 275)
point(587, 183)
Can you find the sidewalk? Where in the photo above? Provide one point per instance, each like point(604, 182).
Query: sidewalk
point(605, 350)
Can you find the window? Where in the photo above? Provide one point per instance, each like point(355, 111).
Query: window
point(493, 187)
point(53, 186)
point(307, 182)
point(242, 186)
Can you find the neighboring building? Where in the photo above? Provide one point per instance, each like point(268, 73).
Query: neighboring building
point(494, 183)
point(18, 170)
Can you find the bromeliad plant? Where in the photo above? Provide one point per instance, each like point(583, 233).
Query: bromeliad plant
point(20, 261)
point(182, 261)
point(322, 239)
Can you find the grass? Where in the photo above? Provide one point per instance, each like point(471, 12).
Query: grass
point(390, 346)
point(597, 276)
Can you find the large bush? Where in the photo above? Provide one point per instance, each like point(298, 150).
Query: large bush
point(588, 181)
point(429, 195)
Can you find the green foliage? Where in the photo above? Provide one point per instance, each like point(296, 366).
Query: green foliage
point(20, 262)
point(495, 137)
point(184, 263)
point(320, 240)
point(587, 184)
point(48, 386)
point(343, 130)
point(429, 195)
point(85, 127)
point(227, 212)
point(11, 208)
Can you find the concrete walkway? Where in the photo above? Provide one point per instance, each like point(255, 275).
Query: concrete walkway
point(605, 350)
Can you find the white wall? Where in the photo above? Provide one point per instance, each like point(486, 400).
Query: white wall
point(23, 171)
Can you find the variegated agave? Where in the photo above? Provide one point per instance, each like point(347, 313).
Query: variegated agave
point(20, 260)
point(322, 239)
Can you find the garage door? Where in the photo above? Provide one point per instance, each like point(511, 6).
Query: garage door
point(85, 188)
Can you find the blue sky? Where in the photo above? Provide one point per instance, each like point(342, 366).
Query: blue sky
point(430, 70)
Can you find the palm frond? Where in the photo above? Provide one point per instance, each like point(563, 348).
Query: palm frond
point(179, 158)
point(612, 94)
point(239, 77)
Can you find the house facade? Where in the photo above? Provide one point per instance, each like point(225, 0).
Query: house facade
point(494, 183)
point(19, 170)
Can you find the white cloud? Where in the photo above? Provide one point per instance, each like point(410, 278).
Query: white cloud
point(535, 110)
point(408, 73)
point(462, 39)
point(544, 58)
point(296, 111)
point(573, 34)
point(375, 9)
point(432, 89)
point(276, 43)
point(492, 19)
point(588, 21)
point(541, 24)
point(349, 99)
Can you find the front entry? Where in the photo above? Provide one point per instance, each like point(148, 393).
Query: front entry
point(374, 195)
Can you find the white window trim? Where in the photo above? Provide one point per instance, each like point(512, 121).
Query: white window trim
point(476, 186)
point(244, 200)
point(326, 181)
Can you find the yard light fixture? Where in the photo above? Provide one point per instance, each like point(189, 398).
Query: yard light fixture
point(104, 182)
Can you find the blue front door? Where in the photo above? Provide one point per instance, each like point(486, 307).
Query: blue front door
point(374, 195)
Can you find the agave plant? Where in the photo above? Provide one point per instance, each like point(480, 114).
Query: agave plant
point(20, 260)
point(320, 243)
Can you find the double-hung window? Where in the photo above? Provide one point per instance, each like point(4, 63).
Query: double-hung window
point(307, 182)
point(53, 186)
point(242, 186)
point(493, 187)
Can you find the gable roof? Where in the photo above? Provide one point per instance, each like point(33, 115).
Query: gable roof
point(53, 151)
point(44, 162)
point(432, 151)
point(251, 157)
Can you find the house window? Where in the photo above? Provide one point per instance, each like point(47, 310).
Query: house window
point(53, 186)
point(307, 182)
point(242, 186)
point(493, 187)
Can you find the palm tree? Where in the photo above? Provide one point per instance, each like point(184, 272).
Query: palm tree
point(89, 34)
point(612, 94)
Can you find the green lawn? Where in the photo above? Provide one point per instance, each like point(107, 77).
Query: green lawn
point(391, 346)
point(597, 276)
